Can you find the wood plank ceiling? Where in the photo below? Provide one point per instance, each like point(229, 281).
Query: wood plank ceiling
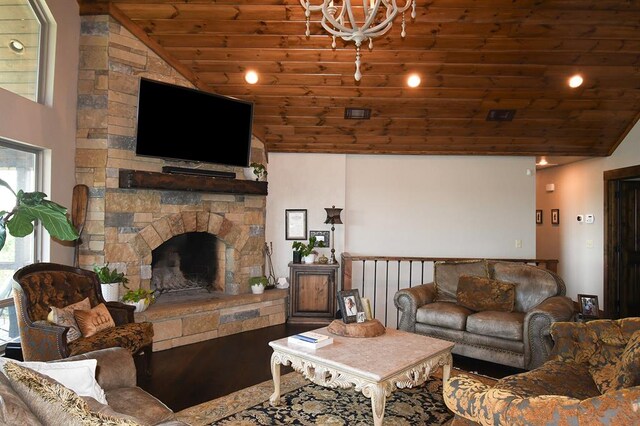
point(472, 56)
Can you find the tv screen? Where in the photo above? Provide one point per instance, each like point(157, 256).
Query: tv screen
point(180, 123)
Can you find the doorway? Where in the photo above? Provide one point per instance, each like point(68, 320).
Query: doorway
point(622, 242)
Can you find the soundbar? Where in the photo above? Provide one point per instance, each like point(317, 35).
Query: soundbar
point(198, 172)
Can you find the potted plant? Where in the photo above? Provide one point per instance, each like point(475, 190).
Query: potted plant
point(140, 298)
point(32, 206)
point(110, 280)
point(306, 250)
point(257, 170)
point(258, 284)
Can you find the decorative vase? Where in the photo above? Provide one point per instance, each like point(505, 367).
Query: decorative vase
point(110, 291)
point(297, 257)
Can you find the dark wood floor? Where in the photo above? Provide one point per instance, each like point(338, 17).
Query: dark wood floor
point(189, 375)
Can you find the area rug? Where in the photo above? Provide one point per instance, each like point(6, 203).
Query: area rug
point(303, 403)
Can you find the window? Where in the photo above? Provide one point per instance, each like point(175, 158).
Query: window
point(23, 41)
point(19, 168)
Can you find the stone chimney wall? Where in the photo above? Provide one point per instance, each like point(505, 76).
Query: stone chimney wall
point(124, 225)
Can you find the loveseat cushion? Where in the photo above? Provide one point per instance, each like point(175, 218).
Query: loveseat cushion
point(533, 284)
point(628, 366)
point(485, 294)
point(554, 377)
point(446, 275)
point(443, 314)
point(506, 325)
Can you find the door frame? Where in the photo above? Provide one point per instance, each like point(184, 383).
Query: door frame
point(612, 179)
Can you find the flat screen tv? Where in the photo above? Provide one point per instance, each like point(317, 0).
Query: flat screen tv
point(180, 123)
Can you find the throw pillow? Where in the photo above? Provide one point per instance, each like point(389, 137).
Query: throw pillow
point(53, 403)
point(64, 317)
point(485, 294)
point(446, 275)
point(94, 320)
point(628, 366)
point(79, 376)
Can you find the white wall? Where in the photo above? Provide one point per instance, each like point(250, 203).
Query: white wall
point(52, 126)
point(303, 181)
point(464, 206)
point(579, 189)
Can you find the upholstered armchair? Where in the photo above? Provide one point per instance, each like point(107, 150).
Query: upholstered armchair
point(43, 288)
point(591, 378)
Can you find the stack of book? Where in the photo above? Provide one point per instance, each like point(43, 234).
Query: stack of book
point(310, 340)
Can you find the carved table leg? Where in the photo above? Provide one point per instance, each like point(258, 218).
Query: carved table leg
point(446, 369)
point(378, 400)
point(275, 373)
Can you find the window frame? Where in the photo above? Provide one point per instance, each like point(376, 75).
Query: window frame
point(38, 182)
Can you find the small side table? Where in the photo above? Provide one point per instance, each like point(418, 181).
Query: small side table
point(312, 292)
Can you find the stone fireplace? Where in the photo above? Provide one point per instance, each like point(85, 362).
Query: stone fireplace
point(135, 229)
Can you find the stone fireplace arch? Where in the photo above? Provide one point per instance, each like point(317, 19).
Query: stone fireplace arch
point(232, 235)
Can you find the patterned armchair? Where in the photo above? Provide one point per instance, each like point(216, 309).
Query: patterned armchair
point(41, 286)
point(591, 378)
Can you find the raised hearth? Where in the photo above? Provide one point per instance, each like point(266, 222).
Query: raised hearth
point(197, 315)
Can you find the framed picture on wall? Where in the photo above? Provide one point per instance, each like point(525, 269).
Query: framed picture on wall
point(555, 216)
point(295, 224)
point(539, 217)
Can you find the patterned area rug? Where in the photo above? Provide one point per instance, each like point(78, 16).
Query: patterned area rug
point(303, 403)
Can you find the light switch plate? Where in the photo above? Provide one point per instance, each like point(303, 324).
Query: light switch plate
point(589, 218)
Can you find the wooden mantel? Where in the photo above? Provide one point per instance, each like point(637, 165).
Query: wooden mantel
point(183, 182)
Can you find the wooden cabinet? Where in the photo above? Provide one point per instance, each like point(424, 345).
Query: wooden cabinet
point(312, 292)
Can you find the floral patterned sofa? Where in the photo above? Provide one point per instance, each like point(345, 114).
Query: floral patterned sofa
point(591, 378)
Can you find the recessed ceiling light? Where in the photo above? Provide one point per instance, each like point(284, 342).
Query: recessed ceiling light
point(251, 77)
point(413, 80)
point(542, 162)
point(16, 46)
point(575, 81)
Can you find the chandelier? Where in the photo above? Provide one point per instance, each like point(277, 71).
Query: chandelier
point(340, 19)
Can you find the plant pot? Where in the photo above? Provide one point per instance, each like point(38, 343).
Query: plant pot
point(297, 257)
point(310, 259)
point(110, 291)
point(257, 289)
point(141, 305)
point(248, 173)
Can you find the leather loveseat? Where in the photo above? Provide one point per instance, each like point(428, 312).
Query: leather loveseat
point(493, 310)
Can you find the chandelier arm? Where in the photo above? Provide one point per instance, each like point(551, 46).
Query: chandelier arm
point(401, 9)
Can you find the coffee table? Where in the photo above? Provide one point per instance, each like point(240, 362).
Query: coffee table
point(374, 365)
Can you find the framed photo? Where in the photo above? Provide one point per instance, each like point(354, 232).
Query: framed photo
point(321, 236)
point(539, 217)
point(555, 216)
point(589, 305)
point(295, 224)
point(350, 304)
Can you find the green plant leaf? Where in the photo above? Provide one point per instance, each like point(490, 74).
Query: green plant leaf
point(6, 185)
point(53, 217)
point(3, 234)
